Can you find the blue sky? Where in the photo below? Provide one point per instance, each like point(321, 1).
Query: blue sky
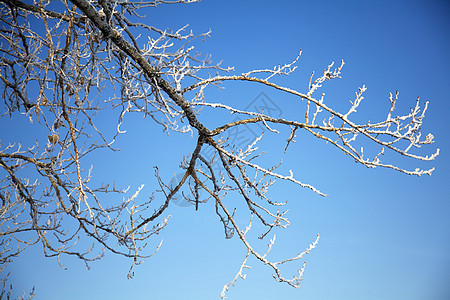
point(384, 235)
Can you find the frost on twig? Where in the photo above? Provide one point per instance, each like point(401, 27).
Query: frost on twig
point(64, 65)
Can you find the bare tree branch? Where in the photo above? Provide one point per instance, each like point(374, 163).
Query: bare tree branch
point(56, 63)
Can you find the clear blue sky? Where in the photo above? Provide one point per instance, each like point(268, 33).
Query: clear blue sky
point(384, 235)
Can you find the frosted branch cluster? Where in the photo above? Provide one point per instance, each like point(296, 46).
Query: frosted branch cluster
point(63, 63)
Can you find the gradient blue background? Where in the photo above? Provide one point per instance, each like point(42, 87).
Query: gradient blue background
point(384, 235)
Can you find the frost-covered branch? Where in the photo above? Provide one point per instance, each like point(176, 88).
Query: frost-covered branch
point(63, 65)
